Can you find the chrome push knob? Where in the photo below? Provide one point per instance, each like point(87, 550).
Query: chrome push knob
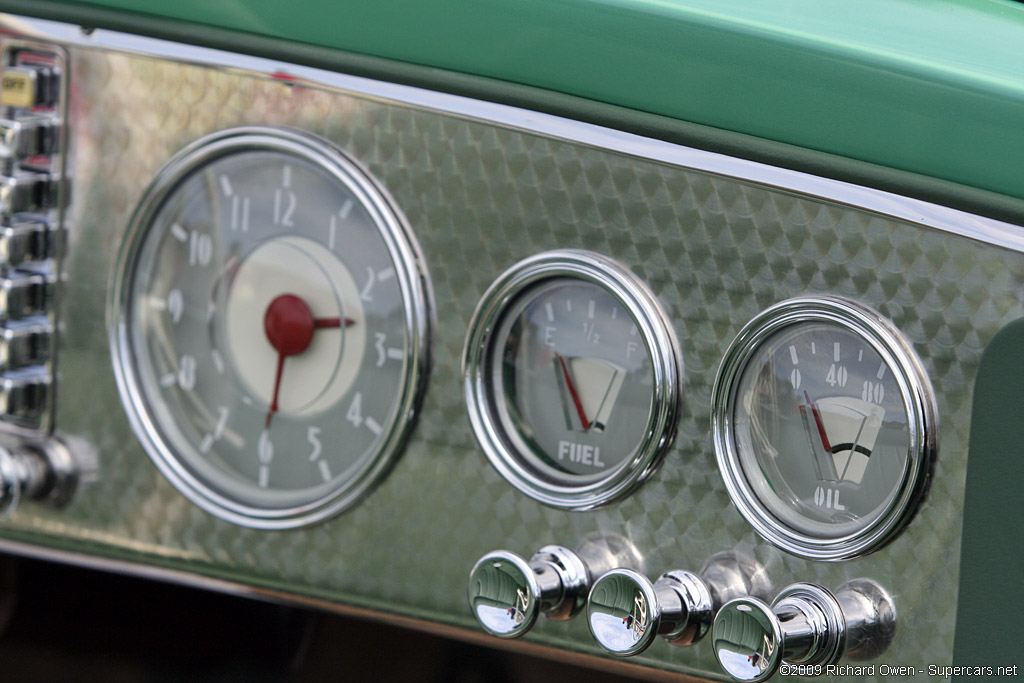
point(626, 611)
point(806, 625)
point(45, 472)
point(21, 475)
point(507, 593)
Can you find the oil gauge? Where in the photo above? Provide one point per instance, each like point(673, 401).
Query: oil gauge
point(824, 426)
point(573, 378)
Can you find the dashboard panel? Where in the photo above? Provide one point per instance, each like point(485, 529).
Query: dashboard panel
point(717, 240)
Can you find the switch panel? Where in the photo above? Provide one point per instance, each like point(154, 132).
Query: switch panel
point(33, 195)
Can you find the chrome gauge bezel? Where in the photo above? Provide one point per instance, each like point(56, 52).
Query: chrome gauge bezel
point(918, 399)
point(414, 285)
point(659, 340)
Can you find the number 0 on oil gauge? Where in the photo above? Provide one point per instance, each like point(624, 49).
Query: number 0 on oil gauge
point(572, 378)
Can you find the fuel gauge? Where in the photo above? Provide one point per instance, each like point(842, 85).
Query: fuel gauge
point(572, 378)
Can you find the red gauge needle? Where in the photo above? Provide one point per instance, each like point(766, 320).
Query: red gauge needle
point(573, 393)
point(818, 422)
point(289, 326)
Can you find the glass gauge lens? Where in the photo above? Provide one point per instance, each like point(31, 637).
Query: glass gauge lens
point(825, 427)
point(821, 392)
point(272, 327)
point(573, 378)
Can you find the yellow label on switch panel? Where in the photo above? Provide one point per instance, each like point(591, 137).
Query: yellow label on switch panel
point(18, 88)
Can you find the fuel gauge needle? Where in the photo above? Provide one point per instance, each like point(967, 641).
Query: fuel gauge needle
point(584, 422)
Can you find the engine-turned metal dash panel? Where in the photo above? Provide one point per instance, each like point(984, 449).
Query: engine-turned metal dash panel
point(480, 197)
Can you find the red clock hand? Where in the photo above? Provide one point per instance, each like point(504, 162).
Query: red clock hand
point(289, 326)
point(321, 323)
point(277, 389)
point(573, 393)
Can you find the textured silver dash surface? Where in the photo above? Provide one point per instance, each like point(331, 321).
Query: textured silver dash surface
point(715, 251)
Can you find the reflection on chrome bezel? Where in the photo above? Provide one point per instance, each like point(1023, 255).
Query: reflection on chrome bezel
point(918, 400)
point(659, 340)
point(417, 298)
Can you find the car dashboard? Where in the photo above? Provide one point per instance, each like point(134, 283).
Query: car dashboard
point(480, 443)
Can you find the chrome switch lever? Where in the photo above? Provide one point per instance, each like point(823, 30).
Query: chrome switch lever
point(626, 611)
point(806, 626)
point(507, 593)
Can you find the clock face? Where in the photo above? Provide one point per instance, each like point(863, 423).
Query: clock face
point(273, 323)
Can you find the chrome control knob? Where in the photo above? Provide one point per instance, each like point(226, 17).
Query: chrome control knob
point(626, 611)
point(21, 475)
point(44, 472)
point(806, 625)
point(507, 593)
point(10, 483)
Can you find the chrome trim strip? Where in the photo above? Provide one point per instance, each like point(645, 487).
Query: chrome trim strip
point(954, 221)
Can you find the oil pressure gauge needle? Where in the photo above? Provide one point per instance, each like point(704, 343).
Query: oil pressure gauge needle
point(821, 461)
point(289, 326)
point(573, 393)
point(818, 422)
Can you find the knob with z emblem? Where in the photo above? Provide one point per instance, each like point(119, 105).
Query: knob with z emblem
point(625, 611)
point(806, 626)
point(507, 593)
